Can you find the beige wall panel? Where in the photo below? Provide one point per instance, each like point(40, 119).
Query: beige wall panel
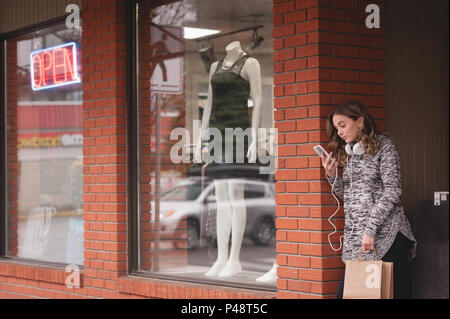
point(417, 103)
point(21, 13)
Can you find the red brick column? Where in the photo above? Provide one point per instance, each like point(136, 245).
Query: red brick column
point(104, 145)
point(324, 55)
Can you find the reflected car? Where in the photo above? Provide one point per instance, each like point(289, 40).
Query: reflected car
point(191, 205)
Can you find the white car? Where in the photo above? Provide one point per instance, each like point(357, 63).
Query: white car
point(193, 208)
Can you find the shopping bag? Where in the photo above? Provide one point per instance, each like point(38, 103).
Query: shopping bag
point(368, 279)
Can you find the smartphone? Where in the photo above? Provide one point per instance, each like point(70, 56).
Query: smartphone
point(319, 150)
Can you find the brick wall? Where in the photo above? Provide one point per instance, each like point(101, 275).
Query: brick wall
point(105, 182)
point(104, 149)
point(324, 55)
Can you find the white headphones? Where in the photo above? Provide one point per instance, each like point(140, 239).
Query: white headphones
point(355, 149)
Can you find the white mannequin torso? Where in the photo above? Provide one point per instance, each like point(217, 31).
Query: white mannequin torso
point(234, 53)
point(251, 71)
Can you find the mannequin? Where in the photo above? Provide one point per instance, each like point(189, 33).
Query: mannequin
point(251, 72)
point(231, 211)
point(269, 277)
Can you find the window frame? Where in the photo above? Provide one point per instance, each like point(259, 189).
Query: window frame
point(3, 150)
point(4, 37)
point(133, 168)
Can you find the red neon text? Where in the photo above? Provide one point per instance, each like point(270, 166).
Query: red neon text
point(54, 67)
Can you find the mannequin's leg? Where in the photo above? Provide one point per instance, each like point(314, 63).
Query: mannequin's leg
point(238, 222)
point(223, 226)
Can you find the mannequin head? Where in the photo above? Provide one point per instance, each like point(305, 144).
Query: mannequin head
point(233, 46)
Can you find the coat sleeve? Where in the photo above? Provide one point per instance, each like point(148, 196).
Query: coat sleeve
point(392, 192)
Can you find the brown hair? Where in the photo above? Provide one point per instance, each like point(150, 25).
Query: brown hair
point(367, 136)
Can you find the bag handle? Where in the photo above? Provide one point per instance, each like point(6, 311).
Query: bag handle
point(374, 254)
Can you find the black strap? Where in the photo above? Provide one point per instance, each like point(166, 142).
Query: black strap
point(244, 58)
point(239, 63)
point(219, 66)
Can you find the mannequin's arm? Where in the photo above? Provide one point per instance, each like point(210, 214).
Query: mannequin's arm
point(205, 118)
point(254, 75)
point(207, 110)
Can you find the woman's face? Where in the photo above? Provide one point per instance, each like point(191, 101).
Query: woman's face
point(347, 128)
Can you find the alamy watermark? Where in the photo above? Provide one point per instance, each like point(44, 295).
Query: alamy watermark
point(262, 140)
point(374, 277)
point(373, 19)
point(73, 19)
point(73, 279)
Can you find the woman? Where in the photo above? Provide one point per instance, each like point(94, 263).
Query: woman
point(371, 189)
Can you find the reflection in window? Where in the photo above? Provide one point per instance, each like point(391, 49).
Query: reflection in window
point(188, 192)
point(44, 114)
point(193, 215)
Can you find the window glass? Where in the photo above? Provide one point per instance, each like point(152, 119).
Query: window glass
point(205, 220)
point(44, 131)
point(254, 190)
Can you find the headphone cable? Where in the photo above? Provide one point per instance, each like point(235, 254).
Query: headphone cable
point(339, 205)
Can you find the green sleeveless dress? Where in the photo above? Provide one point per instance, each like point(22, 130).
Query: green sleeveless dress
point(230, 94)
point(229, 108)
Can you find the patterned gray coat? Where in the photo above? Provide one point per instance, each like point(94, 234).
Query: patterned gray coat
point(375, 205)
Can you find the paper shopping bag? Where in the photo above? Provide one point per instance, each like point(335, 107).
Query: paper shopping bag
point(368, 279)
point(387, 281)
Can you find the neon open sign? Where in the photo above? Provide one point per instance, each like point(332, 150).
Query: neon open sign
point(53, 67)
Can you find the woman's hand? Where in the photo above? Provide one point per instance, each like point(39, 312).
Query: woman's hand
point(329, 164)
point(368, 243)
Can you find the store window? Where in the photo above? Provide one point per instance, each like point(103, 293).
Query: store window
point(206, 201)
point(44, 145)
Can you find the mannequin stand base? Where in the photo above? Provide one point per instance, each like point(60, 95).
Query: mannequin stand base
point(215, 269)
point(269, 277)
point(224, 270)
point(230, 269)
